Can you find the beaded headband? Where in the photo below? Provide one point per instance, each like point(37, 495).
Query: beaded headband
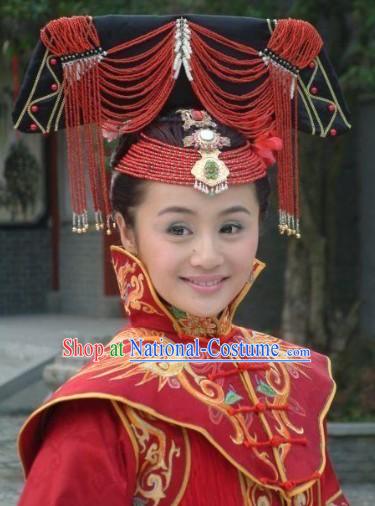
point(116, 74)
point(145, 157)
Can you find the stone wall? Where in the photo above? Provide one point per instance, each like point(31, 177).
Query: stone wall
point(81, 276)
point(352, 450)
point(25, 270)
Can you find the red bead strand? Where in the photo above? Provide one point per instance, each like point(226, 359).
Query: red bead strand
point(145, 158)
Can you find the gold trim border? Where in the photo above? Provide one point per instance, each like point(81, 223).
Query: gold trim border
point(322, 416)
point(128, 429)
point(148, 410)
point(40, 70)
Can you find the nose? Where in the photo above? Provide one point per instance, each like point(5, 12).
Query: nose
point(206, 254)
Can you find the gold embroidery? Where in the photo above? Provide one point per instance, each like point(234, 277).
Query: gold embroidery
point(125, 423)
point(132, 291)
point(307, 497)
point(274, 374)
point(199, 327)
point(175, 374)
point(59, 92)
point(39, 412)
point(194, 380)
point(300, 500)
point(255, 495)
point(158, 453)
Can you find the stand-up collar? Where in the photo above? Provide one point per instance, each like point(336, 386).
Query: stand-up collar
point(147, 309)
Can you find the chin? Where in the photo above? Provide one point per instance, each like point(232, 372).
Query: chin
point(210, 313)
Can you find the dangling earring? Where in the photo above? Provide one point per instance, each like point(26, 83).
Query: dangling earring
point(251, 277)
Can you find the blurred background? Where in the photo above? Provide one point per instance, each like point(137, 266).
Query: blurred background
point(318, 291)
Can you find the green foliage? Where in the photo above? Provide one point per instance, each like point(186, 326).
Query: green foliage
point(355, 398)
point(22, 175)
point(348, 26)
point(21, 21)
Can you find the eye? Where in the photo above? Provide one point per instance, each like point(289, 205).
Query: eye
point(231, 226)
point(177, 230)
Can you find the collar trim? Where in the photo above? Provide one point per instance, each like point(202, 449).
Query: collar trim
point(146, 309)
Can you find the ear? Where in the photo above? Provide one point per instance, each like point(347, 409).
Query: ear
point(126, 234)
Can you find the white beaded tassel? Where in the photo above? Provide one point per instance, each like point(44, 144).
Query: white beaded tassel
point(281, 65)
point(182, 49)
point(75, 66)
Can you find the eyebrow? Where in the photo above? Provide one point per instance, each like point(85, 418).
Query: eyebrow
point(178, 209)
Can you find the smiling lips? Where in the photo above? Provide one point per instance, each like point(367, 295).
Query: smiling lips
point(205, 283)
point(205, 280)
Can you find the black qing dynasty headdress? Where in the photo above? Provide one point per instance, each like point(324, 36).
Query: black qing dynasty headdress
point(113, 75)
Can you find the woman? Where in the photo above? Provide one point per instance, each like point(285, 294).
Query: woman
point(149, 423)
point(183, 432)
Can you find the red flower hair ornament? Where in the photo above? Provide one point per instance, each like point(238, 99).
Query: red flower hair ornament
point(266, 146)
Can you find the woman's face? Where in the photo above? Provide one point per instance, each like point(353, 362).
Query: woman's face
point(187, 239)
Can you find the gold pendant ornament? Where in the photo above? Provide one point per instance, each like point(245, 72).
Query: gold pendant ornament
point(210, 172)
point(194, 118)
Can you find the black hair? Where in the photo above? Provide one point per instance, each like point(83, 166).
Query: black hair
point(128, 192)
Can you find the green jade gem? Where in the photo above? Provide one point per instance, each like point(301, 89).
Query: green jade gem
point(211, 169)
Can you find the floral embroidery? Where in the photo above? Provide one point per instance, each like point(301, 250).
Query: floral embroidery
point(253, 494)
point(132, 289)
point(232, 397)
point(265, 389)
point(163, 453)
point(201, 326)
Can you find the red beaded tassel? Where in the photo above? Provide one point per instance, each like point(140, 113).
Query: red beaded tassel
point(76, 42)
point(292, 46)
point(288, 215)
point(135, 88)
point(105, 93)
point(111, 92)
point(267, 108)
point(249, 112)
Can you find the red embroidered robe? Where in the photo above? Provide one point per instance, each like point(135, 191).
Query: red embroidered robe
point(166, 433)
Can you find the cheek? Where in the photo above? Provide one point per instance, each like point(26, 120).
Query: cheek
point(245, 251)
point(162, 266)
point(160, 257)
